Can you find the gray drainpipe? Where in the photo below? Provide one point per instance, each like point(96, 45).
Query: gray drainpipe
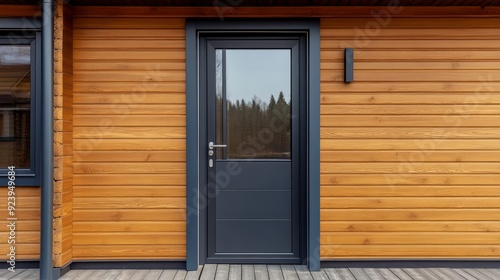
point(47, 166)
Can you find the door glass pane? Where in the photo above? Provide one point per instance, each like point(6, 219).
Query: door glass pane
point(15, 98)
point(253, 114)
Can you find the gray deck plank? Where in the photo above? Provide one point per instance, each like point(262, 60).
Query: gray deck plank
point(303, 272)
point(289, 272)
point(464, 274)
point(167, 274)
point(339, 274)
point(373, 274)
point(14, 274)
point(359, 273)
point(400, 274)
point(79, 274)
point(477, 274)
point(275, 272)
point(494, 272)
point(194, 275)
point(446, 273)
point(235, 272)
point(153, 274)
point(208, 272)
point(26, 274)
point(222, 272)
point(110, 274)
point(139, 274)
point(319, 275)
point(36, 274)
point(125, 274)
point(261, 272)
point(23, 274)
point(419, 274)
point(247, 272)
point(181, 275)
point(429, 273)
point(105, 274)
point(5, 274)
point(386, 273)
point(488, 273)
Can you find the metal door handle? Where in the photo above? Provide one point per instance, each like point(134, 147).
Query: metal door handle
point(211, 146)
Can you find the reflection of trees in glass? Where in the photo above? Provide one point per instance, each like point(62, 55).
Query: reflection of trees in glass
point(257, 129)
point(218, 106)
point(15, 105)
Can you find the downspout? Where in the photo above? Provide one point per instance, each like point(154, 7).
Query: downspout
point(47, 166)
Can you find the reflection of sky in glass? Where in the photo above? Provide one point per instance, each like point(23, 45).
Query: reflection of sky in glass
point(14, 55)
point(260, 73)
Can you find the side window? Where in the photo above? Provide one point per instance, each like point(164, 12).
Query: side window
point(19, 108)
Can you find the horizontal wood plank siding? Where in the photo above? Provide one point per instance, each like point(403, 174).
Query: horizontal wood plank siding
point(27, 226)
point(410, 150)
point(63, 136)
point(129, 138)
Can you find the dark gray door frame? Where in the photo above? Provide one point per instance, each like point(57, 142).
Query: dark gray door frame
point(195, 128)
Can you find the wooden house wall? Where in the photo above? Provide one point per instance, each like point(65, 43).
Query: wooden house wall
point(129, 192)
point(410, 157)
point(408, 161)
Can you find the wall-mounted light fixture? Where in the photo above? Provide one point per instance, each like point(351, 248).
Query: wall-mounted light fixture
point(348, 65)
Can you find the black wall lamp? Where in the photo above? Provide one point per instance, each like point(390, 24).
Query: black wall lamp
point(348, 65)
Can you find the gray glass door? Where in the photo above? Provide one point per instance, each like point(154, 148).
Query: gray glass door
point(253, 143)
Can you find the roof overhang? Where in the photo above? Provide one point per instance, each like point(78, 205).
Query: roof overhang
point(264, 3)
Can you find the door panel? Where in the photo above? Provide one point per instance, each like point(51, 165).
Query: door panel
point(253, 236)
point(239, 204)
point(253, 170)
point(246, 179)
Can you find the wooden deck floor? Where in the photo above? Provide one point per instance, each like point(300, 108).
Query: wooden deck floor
point(271, 272)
